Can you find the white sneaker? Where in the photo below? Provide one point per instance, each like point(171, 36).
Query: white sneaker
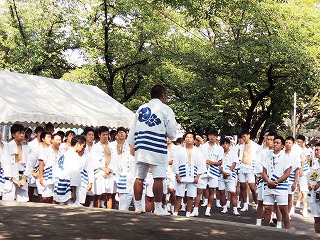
point(194, 214)
point(168, 208)
point(172, 209)
point(183, 208)
point(228, 204)
point(239, 204)
point(138, 207)
point(188, 214)
point(207, 213)
point(298, 204)
point(305, 213)
point(236, 213)
point(225, 209)
point(160, 212)
point(205, 203)
point(245, 208)
point(292, 211)
point(218, 205)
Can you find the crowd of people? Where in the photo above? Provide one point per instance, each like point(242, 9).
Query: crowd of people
point(158, 173)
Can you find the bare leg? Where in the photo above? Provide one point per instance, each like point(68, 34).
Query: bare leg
point(267, 216)
point(138, 188)
point(285, 216)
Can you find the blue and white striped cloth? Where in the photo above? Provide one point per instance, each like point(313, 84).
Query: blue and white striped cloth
point(214, 171)
point(151, 141)
point(283, 186)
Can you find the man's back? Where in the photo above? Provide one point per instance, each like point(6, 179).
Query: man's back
point(154, 122)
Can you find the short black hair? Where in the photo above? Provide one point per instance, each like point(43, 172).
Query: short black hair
point(244, 132)
point(179, 140)
point(44, 134)
point(157, 91)
point(88, 129)
point(102, 129)
point(225, 140)
point(281, 139)
point(301, 137)
point(69, 132)
point(290, 138)
point(49, 125)
point(78, 139)
point(213, 132)
point(192, 133)
point(272, 134)
point(121, 129)
point(56, 134)
point(61, 133)
point(39, 129)
point(16, 127)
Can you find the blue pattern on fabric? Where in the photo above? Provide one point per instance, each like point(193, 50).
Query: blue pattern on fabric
point(145, 115)
point(60, 162)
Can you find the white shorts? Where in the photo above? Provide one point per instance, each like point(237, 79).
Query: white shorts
point(11, 192)
point(270, 199)
point(171, 179)
point(98, 186)
point(260, 191)
point(315, 208)
point(208, 181)
point(149, 186)
point(303, 184)
point(246, 175)
point(125, 200)
point(142, 168)
point(47, 191)
point(229, 184)
point(190, 187)
point(203, 182)
point(110, 184)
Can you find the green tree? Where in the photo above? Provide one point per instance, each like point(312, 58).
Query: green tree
point(34, 36)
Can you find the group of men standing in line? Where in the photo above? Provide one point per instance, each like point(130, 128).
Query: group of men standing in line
point(81, 172)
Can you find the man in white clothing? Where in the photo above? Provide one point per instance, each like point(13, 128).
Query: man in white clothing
point(188, 165)
point(275, 173)
point(315, 190)
point(13, 160)
point(246, 174)
point(154, 122)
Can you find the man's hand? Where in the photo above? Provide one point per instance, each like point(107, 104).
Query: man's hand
point(178, 178)
point(196, 180)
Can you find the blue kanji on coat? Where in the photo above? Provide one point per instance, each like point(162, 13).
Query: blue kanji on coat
point(145, 115)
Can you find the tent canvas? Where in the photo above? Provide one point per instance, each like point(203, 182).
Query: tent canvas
point(34, 100)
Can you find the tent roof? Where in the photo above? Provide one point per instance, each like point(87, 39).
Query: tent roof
point(33, 100)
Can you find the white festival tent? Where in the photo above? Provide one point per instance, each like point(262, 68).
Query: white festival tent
point(34, 100)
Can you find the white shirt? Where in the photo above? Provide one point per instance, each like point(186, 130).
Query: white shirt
point(154, 122)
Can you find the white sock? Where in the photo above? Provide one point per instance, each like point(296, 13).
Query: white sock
point(279, 224)
point(91, 204)
point(157, 205)
point(259, 222)
point(195, 209)
point(208, 210)
point(235, 209)
point(218, 202)
point(102, 203)
point(246, 205)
